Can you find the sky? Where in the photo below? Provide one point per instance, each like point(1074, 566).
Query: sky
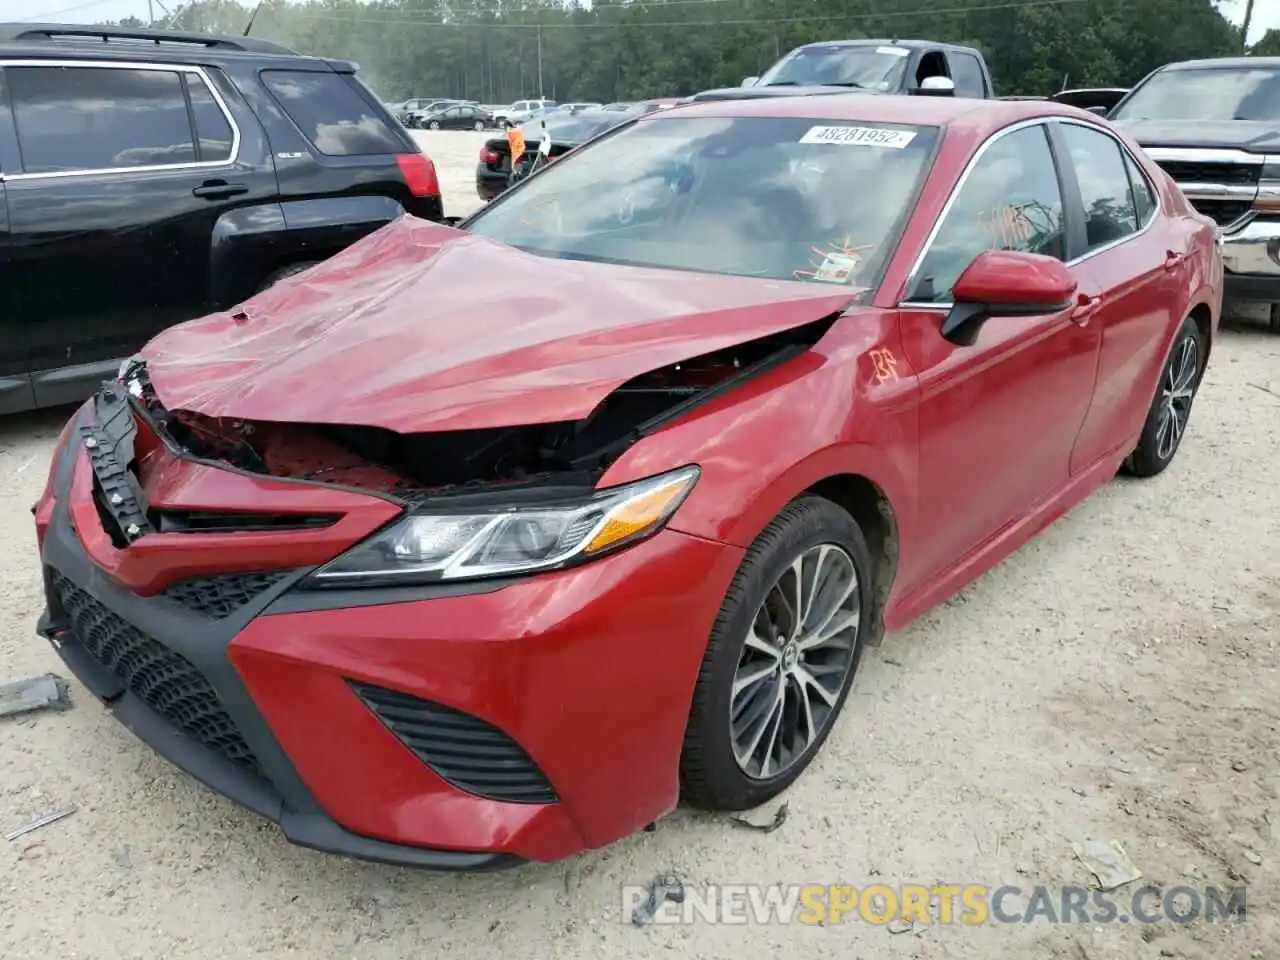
point(1266, 13)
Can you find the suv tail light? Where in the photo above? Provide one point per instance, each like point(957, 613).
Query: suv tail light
point(488, 156)
point(419, 174)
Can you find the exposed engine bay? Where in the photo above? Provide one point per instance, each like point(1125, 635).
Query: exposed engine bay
point(414, 465)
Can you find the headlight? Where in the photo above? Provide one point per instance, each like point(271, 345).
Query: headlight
point(449, 545)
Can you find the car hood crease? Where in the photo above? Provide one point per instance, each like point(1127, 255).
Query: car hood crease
point(423, 327)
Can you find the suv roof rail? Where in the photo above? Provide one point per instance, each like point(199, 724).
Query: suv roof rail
point(61, 31)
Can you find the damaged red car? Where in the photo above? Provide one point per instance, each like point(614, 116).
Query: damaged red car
point(484, 544)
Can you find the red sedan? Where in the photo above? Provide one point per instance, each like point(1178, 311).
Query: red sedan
point(490, 543)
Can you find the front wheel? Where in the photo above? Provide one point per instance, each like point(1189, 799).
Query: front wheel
point(781, 658)
point(435, 124)
point(1170, 410)
point(478, 126)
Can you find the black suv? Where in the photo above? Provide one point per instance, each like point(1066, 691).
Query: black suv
point(148, 177)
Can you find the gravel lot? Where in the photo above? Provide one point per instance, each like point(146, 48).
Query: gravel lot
point(1116, 679)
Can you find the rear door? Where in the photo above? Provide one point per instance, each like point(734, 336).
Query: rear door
point(998, 419)
point(125, 170)
point(1139, 275)
point(335, 140)
point(15, 385)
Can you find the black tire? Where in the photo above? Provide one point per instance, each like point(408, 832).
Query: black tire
point(1154, 451)
point(289, 271)
point(1274, 322)
point(710, 774)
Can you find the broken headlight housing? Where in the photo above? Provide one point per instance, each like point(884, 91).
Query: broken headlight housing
point(436, 544)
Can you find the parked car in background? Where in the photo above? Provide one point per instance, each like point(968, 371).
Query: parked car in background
point(121, 220)
point(914, 67)
point(492, 543)
point(1214, 126)
point(406, 107)
point(495, 170)
point(416, 118)
point(459, 116)
point(1099, 100)
point(577, 107)
point(518, 112)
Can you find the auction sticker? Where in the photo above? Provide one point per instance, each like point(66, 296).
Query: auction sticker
point(859, 137)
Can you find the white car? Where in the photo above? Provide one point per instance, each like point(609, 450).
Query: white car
point(519, 112)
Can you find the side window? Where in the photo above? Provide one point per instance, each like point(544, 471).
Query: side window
point(932, 64)
point(1144, 195)
point(1104, 185)
point(213, 132)
point(99, 118)
point(1010, 201)
point(453, 113)
point(966, 71)
point(333, 113)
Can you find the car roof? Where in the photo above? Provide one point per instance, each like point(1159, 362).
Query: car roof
point(1221, 62)
point(975, 116)
point(44, 41)
point(905, 44)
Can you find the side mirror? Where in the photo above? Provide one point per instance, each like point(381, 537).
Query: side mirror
point(1006, 283)
point(936, 87)
point(749, 81)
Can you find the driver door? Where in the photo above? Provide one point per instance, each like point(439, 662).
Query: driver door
point(998, 419)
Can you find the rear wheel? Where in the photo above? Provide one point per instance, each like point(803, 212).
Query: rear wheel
point(284, 272)
point(781, 658)
point(1170, 411)
point(478, 125)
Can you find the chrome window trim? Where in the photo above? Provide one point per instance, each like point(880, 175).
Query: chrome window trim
point(148, 168)
point(977, 158)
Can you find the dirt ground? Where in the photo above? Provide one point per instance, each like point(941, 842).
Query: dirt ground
point(1116, 679)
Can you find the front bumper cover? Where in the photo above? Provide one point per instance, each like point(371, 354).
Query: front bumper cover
point(590, 670)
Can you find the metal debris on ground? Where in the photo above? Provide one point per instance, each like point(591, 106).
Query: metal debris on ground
point(665, 888)
point(41, 822)
point(49, 692)
point(779, 818)
point(1108, 862)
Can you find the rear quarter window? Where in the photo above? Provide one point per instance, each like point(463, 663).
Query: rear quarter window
point(333, 113)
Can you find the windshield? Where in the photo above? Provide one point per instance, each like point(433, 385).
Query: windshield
point(876, 68)
point(781, 198)
point(1220, 93)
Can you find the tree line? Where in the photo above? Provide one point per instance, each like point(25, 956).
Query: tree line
point(495, 51)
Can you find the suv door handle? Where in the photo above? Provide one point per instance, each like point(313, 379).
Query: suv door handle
point(219, 189)
point(1086, 306)
point(1173, 260)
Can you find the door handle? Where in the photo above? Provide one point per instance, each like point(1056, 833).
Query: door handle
point(1173, 260)
point(1085, 308)
point(219, 190)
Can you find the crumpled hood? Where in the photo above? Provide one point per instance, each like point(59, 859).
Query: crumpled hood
point(1248, 135)
point(423, 327)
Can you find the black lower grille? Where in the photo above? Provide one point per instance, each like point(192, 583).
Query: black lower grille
point(1231, 174)
point(464, 750)
point(165, 681)
point(1223, 212)
point(221, 596)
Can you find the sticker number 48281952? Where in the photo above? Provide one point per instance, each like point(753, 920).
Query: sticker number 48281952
point(859, 137)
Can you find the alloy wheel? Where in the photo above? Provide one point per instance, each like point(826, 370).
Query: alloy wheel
point(795, 659)
point(1178, 389)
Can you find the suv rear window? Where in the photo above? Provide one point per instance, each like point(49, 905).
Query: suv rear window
point(333, 113)
point(95, 118)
